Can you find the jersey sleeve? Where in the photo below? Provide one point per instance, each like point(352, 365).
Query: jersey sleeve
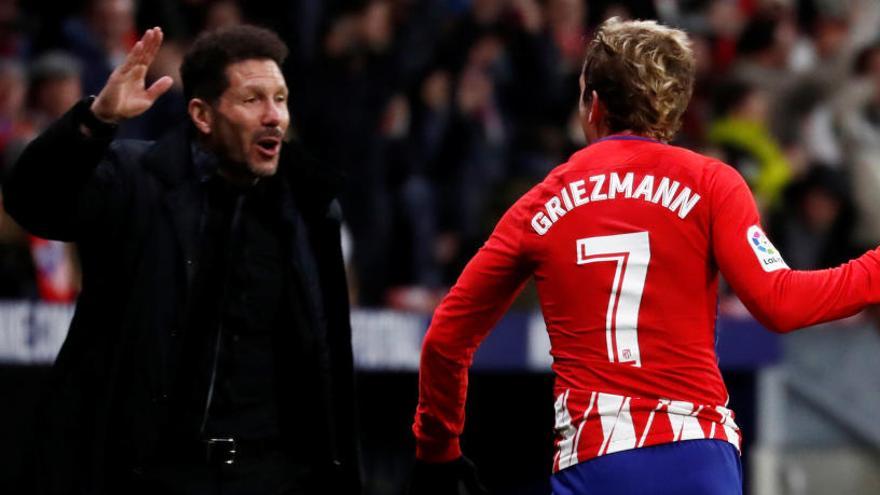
point(780, 298)
point(482, 294)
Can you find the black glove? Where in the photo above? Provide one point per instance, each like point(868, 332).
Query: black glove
point(458, 477)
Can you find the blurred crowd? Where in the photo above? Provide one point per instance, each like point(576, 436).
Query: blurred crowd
point(442, 112)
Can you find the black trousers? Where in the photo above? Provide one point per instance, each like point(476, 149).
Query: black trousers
point(268, 473)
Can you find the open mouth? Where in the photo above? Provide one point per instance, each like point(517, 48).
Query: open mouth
point(269, 146)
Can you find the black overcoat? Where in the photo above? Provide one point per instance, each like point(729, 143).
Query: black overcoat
point(133, 209)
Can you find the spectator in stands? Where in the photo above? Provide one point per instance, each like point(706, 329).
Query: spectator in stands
point(224, 13)
point(55, 86)
point(543, 50)
point(856, 116)
point(349, 94)
point(14, 41)
point(13, 91)
point(100, 39)
point(742, 134)
point(431, 115)
point(815, 227)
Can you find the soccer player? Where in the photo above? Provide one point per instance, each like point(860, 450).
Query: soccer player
point(625, 242)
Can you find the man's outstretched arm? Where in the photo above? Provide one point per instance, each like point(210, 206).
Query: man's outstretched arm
point(54, 189)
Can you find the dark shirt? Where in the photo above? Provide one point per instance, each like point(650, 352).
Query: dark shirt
point(229, 361)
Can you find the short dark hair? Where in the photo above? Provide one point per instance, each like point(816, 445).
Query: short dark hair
point(203, 71)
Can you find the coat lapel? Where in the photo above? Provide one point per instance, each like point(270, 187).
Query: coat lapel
point(306, 192)
point(313, 186)
point(184, 206)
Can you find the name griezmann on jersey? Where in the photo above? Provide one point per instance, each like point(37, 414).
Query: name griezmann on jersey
point(612, 186)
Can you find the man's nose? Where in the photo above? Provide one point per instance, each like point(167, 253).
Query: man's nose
point(273, 113)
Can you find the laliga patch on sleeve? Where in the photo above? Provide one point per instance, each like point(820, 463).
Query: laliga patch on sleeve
point(768, 256)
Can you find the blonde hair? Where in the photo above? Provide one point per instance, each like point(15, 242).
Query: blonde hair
point(644, 74)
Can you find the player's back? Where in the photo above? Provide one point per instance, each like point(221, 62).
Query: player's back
point(620, 241)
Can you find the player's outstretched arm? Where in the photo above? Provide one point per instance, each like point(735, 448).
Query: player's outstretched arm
point(780, 298)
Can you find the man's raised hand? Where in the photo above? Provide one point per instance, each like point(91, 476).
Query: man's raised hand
point(125, 94)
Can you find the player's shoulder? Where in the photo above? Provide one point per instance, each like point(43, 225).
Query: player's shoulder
point(720, 174)
point(687, 156)
point(713, 171)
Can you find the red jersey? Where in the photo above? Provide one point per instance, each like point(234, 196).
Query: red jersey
point(625, 242)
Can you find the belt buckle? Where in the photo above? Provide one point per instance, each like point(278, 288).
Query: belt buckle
point(220, 451)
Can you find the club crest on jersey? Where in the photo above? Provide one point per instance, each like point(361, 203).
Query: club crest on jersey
point(768, 256)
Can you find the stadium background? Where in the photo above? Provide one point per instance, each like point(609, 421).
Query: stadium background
point(442, 112)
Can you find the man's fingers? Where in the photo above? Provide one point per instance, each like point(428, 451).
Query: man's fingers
point(159, 87)
point(144, 50)
point(124, 95)
point(146, 41)
point(152, 43)
point(156, 44)
point(133, 56)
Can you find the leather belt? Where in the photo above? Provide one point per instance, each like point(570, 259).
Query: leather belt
point(220, 451)
point(224, 451)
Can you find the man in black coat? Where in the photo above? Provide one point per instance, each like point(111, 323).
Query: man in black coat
point(210, 351)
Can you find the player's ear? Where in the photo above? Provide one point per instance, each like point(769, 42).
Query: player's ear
point(202, 115)
point(597, 110)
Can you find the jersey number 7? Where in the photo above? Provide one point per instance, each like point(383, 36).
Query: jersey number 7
point(631, 253)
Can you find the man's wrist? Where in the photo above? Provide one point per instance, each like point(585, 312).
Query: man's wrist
point(92, 124)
